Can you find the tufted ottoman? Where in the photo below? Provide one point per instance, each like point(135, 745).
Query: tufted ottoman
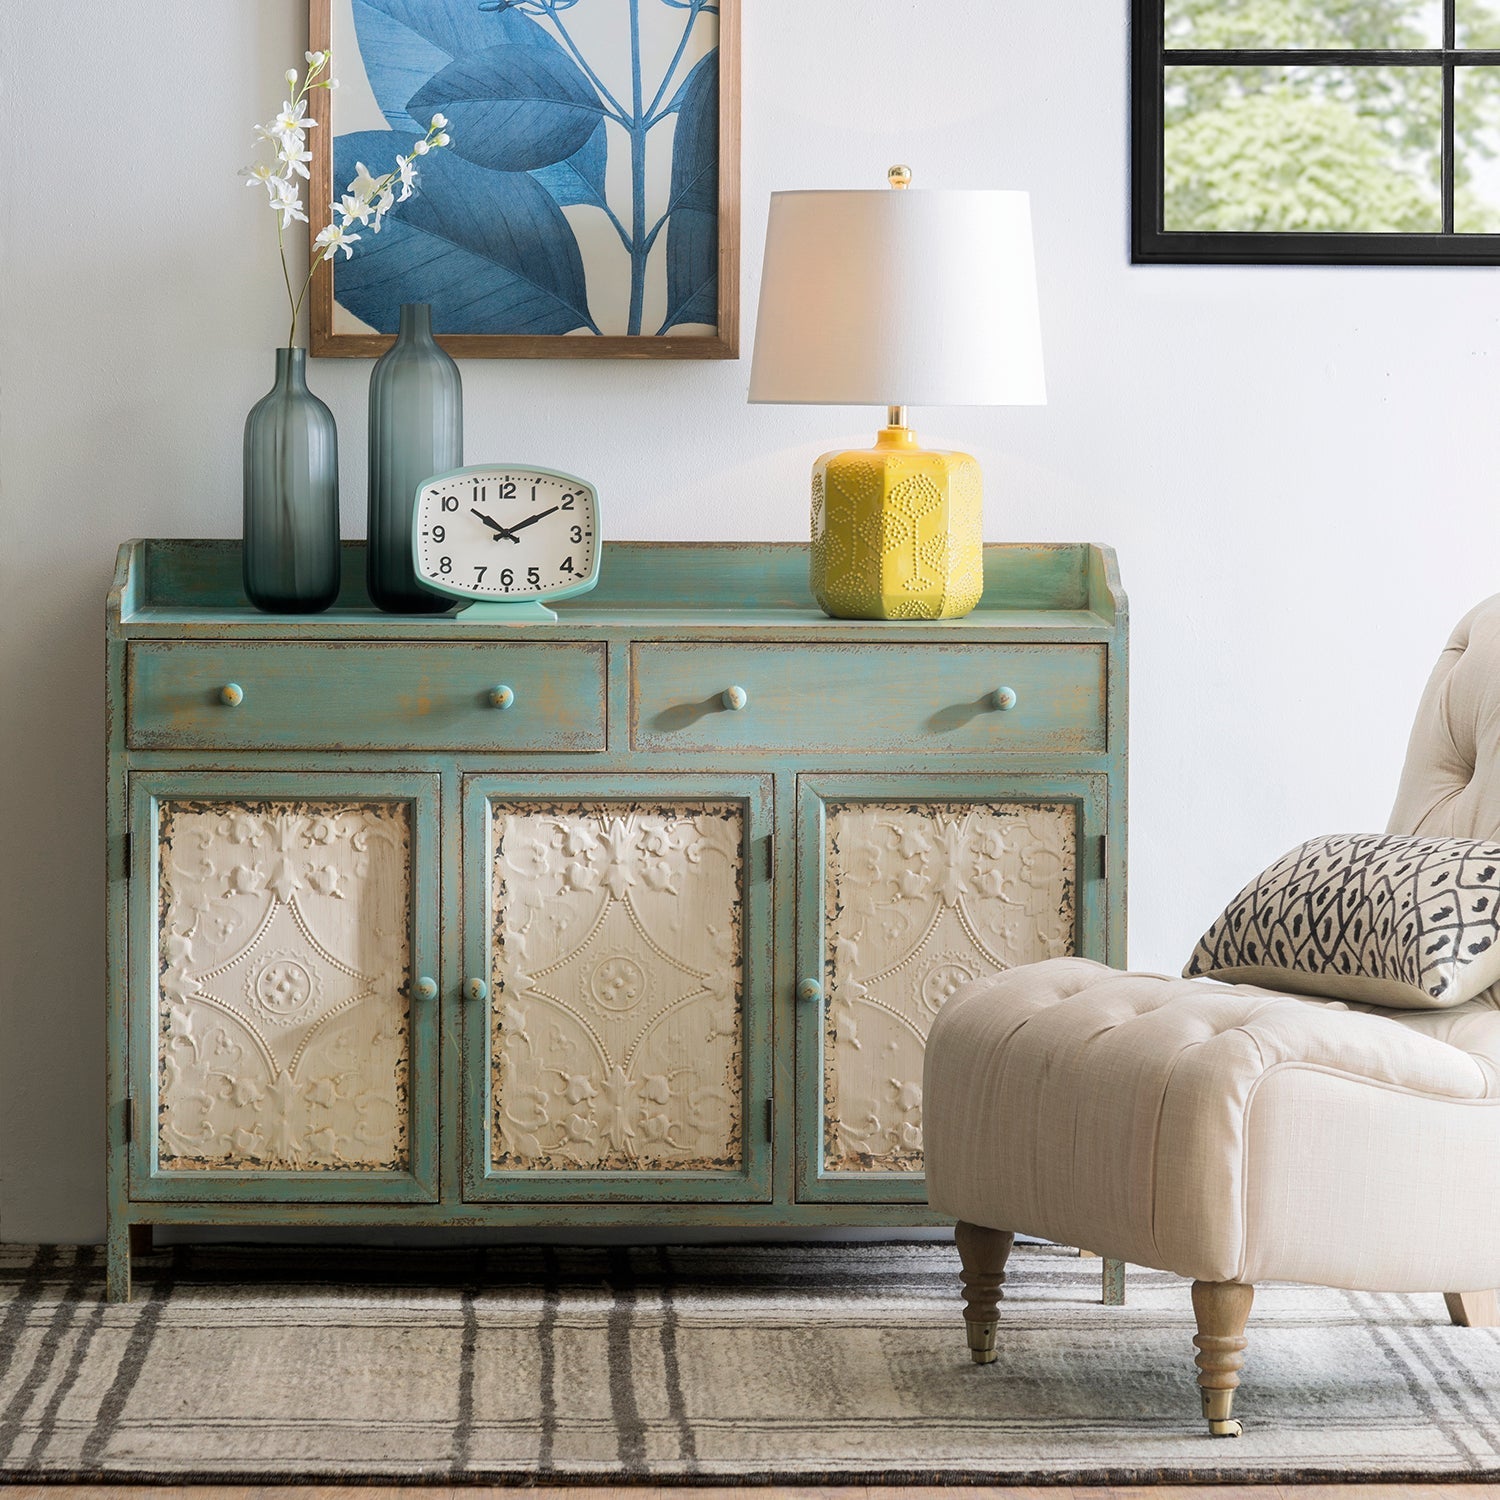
point(1233, 1134)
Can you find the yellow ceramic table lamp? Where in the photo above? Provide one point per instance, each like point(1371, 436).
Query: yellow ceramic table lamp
point(896, 299)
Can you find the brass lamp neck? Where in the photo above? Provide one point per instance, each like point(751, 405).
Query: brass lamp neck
point(895, 416)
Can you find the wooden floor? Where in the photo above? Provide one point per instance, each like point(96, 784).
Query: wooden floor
point(842, 1492)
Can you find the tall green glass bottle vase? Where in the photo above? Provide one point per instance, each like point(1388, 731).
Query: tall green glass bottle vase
point(416, 431)
point(291, 495)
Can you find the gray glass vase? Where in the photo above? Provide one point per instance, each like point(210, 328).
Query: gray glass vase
point(416, 431)
point(291, 558)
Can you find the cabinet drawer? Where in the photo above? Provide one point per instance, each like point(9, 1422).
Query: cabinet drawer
point(182, 695)
point(867, 698)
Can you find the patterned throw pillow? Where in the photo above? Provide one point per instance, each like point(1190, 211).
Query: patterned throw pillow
point(1383, 918)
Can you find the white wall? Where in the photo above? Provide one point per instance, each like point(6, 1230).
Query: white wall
point(1298, 467)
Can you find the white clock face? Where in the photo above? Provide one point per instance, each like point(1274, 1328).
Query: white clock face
point(500, 533)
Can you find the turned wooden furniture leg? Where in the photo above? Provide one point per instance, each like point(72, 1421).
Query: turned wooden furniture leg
point(1474, 1309)
point(982, 1253)
point(1221, 1308)
point(140, 1239)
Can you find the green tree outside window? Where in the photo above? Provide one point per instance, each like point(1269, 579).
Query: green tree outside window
point(1253, 146)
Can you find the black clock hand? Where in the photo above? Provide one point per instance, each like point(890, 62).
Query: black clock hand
point(495, 526)
point(531, 521)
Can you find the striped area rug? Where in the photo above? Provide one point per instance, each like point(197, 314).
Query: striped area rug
point(788, 1363)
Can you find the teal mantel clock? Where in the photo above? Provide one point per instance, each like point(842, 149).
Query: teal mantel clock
point(507, 537)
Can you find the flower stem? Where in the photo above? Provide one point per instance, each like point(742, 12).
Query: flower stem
point(286, 276)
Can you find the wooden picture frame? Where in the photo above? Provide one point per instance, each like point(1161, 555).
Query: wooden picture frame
point(676, 255)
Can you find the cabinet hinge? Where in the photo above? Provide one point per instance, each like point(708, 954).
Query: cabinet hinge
point(770, 1117)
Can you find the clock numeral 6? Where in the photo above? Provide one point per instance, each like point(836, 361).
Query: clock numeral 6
point(507, 577)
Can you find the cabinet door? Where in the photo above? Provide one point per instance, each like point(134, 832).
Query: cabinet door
point(907, 889)
point(280, 1051)
point(622, 931)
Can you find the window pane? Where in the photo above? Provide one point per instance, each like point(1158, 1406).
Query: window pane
point(1308, 23)
point(1476, 150)
point(1303, 149)
point(1478, 24)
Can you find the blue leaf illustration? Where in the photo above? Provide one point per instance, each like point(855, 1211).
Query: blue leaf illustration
point(491, 251)
point(693, 208)
point(402, 43)
point(579, 179)
point(514, 108)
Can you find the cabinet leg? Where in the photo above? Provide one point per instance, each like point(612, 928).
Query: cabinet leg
point(1113, 1277)
point(117, 1262)
point(982, 1254)
point(1222, 1309)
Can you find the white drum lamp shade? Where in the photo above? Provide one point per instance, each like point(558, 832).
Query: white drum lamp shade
point(917, 297)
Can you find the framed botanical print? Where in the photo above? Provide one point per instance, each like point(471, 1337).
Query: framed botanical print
point(587, 202)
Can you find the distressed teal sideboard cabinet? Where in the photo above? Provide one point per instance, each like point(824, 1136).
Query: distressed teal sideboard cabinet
point(635, 919)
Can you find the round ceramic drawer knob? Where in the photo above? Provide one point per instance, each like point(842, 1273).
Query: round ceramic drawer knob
point(476, 989)
point(501, 697)
point(231, 694)
point(809, 990)
point(1004, 697)
point(425, 989)
point(735, 697)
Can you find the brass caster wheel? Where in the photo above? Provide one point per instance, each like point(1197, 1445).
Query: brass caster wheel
point(982, 1342)
point(1232, 1427)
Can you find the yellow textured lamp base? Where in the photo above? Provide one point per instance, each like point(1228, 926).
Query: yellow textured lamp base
point(897, 532)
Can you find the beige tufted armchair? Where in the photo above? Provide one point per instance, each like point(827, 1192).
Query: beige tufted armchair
point(1233, 1134)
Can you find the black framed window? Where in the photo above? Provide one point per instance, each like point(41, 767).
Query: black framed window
point(1308, 132)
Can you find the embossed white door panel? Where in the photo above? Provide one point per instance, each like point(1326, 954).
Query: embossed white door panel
point(905, 897)
point(623, 941)
point(287, 1048)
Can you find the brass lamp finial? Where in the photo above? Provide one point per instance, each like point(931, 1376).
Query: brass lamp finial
point(899, 177)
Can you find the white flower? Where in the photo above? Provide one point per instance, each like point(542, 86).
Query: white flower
point(292, 122)
point(383, 206)
point(315, 60)
point(439, 122)
point(295, 159)
point(354, 208)
point(291, 77)
point(441, 139)
point(285, 201)
point(364, 187)
point(420, 148)
point(406, 170)
point(261, 173)
point(335, 237)
point(332, 83)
